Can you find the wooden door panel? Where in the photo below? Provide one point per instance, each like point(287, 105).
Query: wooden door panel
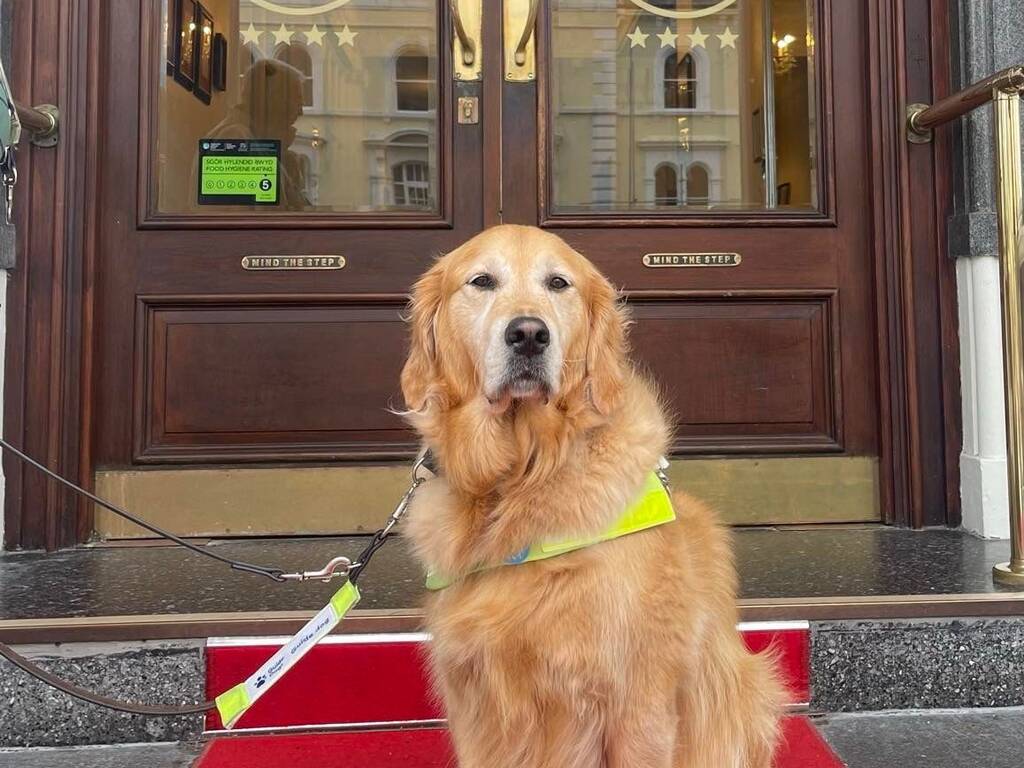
point(236, 371)
point(203, 362)
point(744, 374)
point(229, 379)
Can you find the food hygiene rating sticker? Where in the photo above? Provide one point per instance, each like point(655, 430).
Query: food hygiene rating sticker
point(239, 171)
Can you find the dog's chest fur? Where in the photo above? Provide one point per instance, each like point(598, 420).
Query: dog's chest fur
point(555, 623)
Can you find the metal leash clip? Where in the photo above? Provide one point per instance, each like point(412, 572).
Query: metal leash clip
point(422, 471)
point(663, 465)
point(325, 574)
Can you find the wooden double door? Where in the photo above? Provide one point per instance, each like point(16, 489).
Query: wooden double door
point(274, 175)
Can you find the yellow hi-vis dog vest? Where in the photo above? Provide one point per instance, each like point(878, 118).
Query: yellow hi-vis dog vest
point(653, 507)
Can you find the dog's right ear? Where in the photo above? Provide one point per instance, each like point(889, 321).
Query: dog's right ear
point(420, 374)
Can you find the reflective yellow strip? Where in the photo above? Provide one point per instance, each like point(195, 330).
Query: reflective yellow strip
point(232, 703)
point(652, 508)
point(344, 599)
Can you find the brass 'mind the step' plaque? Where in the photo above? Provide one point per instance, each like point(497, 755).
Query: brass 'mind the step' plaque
point(289, 263)
point(655, 260)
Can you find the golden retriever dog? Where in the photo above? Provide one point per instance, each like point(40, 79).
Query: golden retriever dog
point(624, 654)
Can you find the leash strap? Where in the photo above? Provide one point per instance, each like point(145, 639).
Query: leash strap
point(233, 703)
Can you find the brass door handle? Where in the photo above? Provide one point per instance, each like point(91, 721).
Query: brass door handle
point(528, 29)
point(520, 25)
point(467, 56)
point(468, 46)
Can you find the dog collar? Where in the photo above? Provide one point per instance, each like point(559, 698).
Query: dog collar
point(653, 507)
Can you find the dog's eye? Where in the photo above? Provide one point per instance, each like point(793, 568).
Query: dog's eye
point(557, 283)
point(484, 282)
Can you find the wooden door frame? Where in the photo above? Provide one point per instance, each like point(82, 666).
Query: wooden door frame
point(47, 393)
point(49, 382)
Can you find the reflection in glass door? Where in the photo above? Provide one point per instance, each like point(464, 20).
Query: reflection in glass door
point(680, 106)
point(345, 92)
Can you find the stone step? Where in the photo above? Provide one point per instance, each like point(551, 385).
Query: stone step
point(801, 747)
point(908, 739)
point(964, 738)
point(850, 666)
point(862, 666)
point(163, 755)
point(353, 680)
point(98, 617)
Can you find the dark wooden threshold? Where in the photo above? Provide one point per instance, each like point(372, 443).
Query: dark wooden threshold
point(203, 625)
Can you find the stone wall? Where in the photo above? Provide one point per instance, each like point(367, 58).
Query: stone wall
point(35, 715)
point(987, 35)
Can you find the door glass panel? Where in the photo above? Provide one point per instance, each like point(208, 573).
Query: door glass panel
point(664, 105)
point(317, 106)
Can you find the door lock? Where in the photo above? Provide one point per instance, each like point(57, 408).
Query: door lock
point(469, 110)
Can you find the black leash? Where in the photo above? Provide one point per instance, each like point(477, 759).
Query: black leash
point(339, 566)
point(276, 574)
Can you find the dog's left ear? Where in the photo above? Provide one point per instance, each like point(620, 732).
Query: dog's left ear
point(606, 345)
point(419, 376)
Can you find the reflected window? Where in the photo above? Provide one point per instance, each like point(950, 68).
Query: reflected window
point(409, 169)
point(680, 82)
point(411, 184)
point(339, 100)
point(666, 185)
point(297, 56)
point(412, 81)
point(697, 185)
point(724, 93)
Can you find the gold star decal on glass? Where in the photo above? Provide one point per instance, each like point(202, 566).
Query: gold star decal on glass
point(251, 35)
point(637, 38)
point(346, 36)
point(728, 38)
point(697, 38)
point(315, 36)
point(668, 38)
point(282, 35)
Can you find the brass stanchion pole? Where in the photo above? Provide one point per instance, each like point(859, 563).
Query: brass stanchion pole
point(1010, 193)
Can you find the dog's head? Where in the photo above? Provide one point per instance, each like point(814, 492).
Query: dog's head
point(518, 317)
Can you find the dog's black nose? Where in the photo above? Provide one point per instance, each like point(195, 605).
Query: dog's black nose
point(528, 336)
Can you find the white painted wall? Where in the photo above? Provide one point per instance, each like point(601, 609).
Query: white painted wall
point(983, 487)
point(986, 36)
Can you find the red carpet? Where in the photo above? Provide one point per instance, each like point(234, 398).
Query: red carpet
point(382, 678)
point(802, 747)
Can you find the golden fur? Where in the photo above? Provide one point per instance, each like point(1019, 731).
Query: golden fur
point(623, 655)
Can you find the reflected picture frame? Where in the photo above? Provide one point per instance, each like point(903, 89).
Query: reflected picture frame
point(220, 62)
point(757, 133)
point(203, 87)
point(172, 34)
point(186, 29)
